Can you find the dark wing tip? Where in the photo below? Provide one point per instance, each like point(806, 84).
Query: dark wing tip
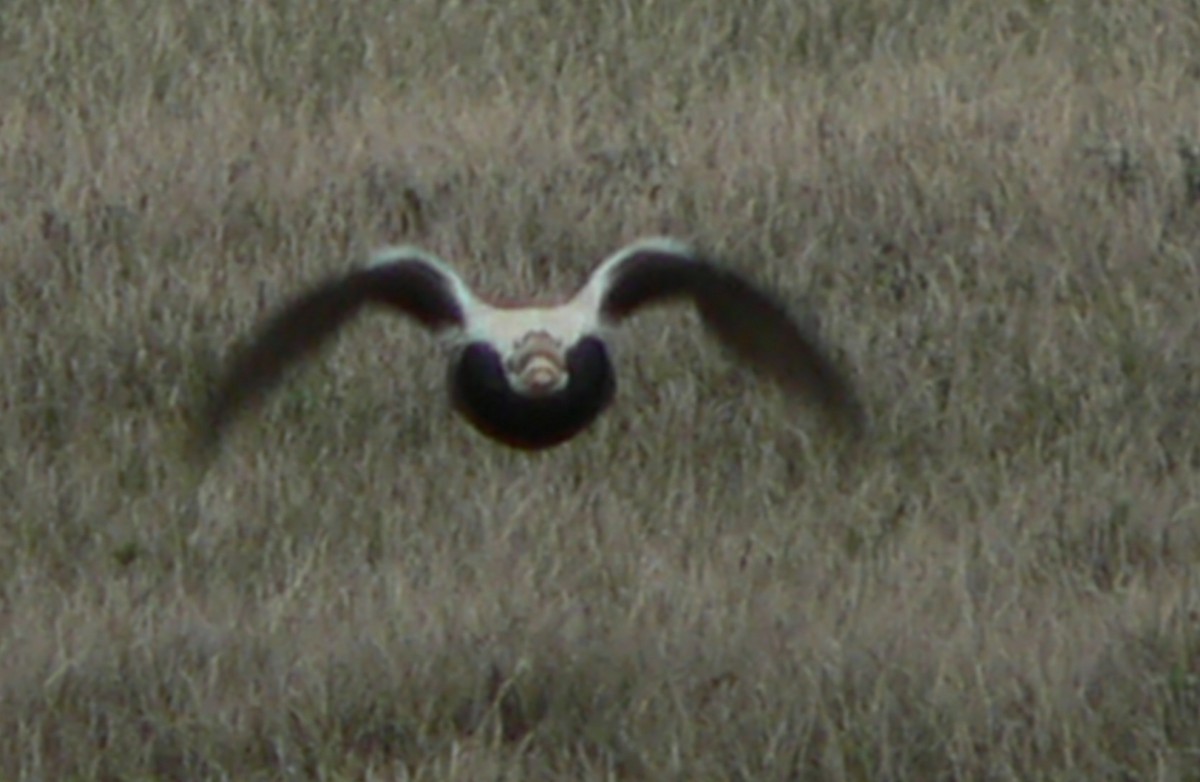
point(759, 328)
point(747, 319)
point(418, 288)
point(286, 337)
point(832, 389)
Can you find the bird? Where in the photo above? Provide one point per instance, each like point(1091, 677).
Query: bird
point(534, 377)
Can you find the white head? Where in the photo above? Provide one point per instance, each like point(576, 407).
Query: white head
point(538, 364)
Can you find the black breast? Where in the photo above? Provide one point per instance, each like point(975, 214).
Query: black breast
point(482, 394)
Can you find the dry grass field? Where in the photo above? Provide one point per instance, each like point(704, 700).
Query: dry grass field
point(991, 209)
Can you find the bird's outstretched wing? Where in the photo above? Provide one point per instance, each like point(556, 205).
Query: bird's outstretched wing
point(744, 317)
point(406, 279)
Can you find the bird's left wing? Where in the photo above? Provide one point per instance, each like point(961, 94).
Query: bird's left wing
point(747, 319)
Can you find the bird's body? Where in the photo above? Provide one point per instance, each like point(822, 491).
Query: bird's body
point(534, 377)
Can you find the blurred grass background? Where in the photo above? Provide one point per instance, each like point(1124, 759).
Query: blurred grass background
point(990, 208)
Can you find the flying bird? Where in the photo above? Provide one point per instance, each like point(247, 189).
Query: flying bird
point(533, 377)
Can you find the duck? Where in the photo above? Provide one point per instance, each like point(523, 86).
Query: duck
point(532, 377)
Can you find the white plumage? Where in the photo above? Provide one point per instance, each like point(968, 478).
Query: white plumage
point(533, 377)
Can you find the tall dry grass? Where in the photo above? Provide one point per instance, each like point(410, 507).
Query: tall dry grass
point(993, 209)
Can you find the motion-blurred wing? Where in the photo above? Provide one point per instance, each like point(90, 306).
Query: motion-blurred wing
point(747, 319)
point(415, 284)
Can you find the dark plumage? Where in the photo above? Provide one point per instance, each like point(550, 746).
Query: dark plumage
point(533, 377)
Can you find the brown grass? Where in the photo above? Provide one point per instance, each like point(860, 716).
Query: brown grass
point(993, 208)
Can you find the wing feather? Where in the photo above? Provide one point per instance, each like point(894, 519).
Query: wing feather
point(414, 284)
point(744, 317)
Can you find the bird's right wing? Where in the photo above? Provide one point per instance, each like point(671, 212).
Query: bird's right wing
point(405, 279)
